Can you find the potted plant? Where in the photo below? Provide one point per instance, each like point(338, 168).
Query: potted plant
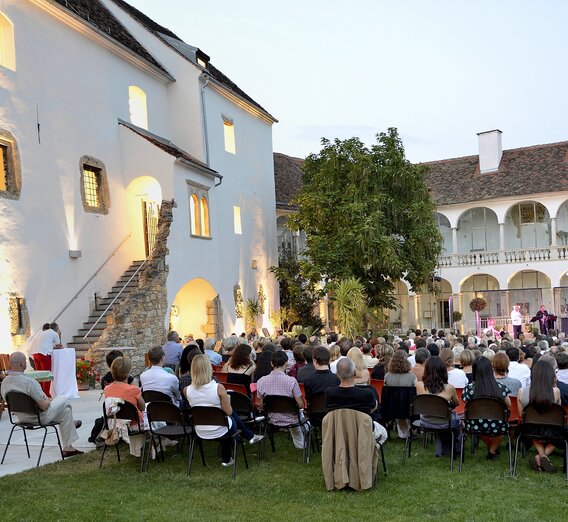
point(252, 310)
point(477, 304)
point(86, 373)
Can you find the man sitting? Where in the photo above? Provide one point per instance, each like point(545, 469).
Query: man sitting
point(157, 379)
point(52, 410)
point(517, 370)
point(368, 359)
point(108, 378)
point(347, 395)
point(278, 383)
point(172, 350)
point(305, 371)
point(322, 378)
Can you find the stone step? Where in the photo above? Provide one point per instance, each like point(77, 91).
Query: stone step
point(98, 330)
point(92, 338)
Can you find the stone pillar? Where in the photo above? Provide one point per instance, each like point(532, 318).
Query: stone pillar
point(552, 231)
point(501, 236)
point(454, 240)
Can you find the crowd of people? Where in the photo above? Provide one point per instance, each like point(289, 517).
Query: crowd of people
point(535, 371)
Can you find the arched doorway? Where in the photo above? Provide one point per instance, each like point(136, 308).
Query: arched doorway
point(144, 200)
point(530, 289)
point(196, 310)
point(433, 304)
point(486, 286)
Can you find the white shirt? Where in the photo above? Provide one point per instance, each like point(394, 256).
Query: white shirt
point(412, 360)
point(158, 379)
point(457, 378)
point(516, 318)
point(369, 361)
point(45, 342)
point(521, 372)
point(333, 365)
point(562, 376)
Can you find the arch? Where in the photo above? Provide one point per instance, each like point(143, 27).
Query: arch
point(479, 283)
point(564, 280)
point(528, 279)
point(7, 43)
point(192, 309)
point(530, 289)
point(446, 230)
point(562, 224)
point(205, 227)
point(478, 230)
point(144, 197)
point(527, 225)
point(137, 106)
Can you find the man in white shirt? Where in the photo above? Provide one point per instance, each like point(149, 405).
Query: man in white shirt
point(369, 361)
point(517, 321)
point(156, 378)
point(41, 350)
point(344, 347)
point(516, 370)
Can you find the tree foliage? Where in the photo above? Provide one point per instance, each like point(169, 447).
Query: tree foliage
point(351, 305)
point(368, 214)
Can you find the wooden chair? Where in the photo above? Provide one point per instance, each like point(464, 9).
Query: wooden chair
point(21, 403)
point(240, 388)
point(220, 377)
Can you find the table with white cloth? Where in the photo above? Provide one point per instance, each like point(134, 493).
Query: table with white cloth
point(64, 370)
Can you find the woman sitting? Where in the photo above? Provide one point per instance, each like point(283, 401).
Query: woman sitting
point(240, 361)
point(263, 364)
point(298, 352)
point(384, 355)
point(541, 394)
point(334, 353)
point(456, 377)
point(435, 382)
point(399, 375)
point(500, 365)
point(362, 375)
point(120, 389)
point(484, 385)
point(204, 391)
point(466, 362)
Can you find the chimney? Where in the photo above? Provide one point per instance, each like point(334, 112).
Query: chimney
point(490, 151)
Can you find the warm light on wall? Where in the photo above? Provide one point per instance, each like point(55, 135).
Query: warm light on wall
point(138, 107)
point(71, 236)
point(229, 135)
point(7, 46)
point(237, 220)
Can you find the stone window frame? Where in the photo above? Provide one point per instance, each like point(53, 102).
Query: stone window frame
point(19, 317)
point(104, 194)
point(200, 192)
point(13, 173)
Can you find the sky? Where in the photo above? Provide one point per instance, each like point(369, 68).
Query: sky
point(439, 71)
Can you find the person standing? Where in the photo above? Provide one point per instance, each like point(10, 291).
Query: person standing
point(42, 349)
point(517, 321)
point(542, 317)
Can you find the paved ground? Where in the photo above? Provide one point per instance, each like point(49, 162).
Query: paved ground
point(87, 408)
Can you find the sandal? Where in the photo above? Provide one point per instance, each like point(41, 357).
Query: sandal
point(533, 464)
point(546, 465)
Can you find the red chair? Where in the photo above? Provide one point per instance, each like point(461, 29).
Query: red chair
point(241, 388)
point(460, 408)
point(217, 367)
point(378, 385)
point(303, 390)
point(514, 416)
point(220, 377)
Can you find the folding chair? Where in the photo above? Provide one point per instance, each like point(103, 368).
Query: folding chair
point(211, 416)
point(128, 412)
point(531, 429)
point(316, 412)
point(490, 409)
point(378, 385)
point(239, 388)
point(153, 395)
point(220, 377)
point(20, 403)
point(286, 405)
point(432, 406)
point(395, 403)
point(175, 429)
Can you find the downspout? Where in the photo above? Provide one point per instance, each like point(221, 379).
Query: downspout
point(205, 78)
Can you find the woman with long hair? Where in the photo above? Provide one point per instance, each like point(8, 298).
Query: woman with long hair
point(263, 364)
point(204, 391)
point(541, 394)
point(435, 382)
point(399, 375)
point(362, 375)
point(485, 385)
point(384, 355)
point(240, 361)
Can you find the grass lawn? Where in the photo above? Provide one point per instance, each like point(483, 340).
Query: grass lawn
point(281, 488)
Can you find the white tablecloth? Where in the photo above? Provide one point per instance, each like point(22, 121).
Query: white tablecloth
point(64, 373)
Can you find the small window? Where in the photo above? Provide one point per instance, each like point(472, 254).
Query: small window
point(138, 107)
point(199, 211)
point(10, 175)
point(237, 220)
point(19, 318)
point(229, 133)
point(7, 46)
point(94, 186)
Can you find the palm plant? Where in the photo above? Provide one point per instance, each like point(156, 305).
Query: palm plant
point(351, 303)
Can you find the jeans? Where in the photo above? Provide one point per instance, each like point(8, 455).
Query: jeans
point(227, 441)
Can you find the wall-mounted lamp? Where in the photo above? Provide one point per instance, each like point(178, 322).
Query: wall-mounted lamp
point(75, 254)
point(254, 264)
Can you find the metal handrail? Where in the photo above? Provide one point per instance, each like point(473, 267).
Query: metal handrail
point(115, 298)
point(92, 277)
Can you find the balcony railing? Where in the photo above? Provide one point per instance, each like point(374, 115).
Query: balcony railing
point(520, 255)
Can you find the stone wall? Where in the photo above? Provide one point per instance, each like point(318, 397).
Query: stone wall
point(138, 320)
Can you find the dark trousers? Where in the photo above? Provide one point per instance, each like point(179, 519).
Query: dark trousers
point(227, 443)
point(517, 330)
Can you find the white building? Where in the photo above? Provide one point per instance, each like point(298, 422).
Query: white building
point(504, 219)
point(104, 115)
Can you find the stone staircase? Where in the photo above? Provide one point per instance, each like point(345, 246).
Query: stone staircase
point(82, 345)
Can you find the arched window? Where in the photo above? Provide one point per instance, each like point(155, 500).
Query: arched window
point(229, 135)
point(194, 211)
point(527, 226)
point(204, 217)
point(7, 46)
point(137, 106)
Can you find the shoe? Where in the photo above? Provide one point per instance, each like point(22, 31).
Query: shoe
point(262, 418)
point(78, 424)
point(228, 464)
point(71, 453)
point(533, 464)
point(255, 439)
point(546, 465)
point(491, 456)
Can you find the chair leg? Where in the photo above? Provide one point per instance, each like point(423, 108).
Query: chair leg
point(59, 442)
point(190, 457)
point(515, 461)
point(200, 443)
point(452, 450)
point(383, 459)
point(244, 454)
point(8, 443)
point(461, 451)
point(102, 456)
point(26, 441)
point(117, 451)
point(234, 458)
point(510, 453)
point(42, 446)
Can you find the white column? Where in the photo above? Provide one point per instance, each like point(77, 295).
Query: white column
point(552, 231)
point(501, 236)
point(454, 240)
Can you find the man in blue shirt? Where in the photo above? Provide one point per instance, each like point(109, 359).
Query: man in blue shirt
point(172, 350)
point(214, 357)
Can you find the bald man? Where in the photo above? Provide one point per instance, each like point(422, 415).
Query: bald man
point(52, 410)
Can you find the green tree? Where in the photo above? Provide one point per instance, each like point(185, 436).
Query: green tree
point(368, 214)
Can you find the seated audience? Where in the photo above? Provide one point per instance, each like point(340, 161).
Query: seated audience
point(108, 378)
point(517, 370)
point(172, 350)
point(121, 389)
point(370, 361)
point(299, 360)
point(456, 377)
point(399, 375)
point(214, 357)
point(500, 365)
point(263, 365)
point(384, 355)
point(466, 362)
point(344, 346)
point(322, 378)
point(156, 379)
point(562, 361)
point(308, 369)
point(362, 375)
point(420, 358)
point(240, 361)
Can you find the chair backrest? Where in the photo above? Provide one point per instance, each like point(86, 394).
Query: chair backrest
point(217, 367)
point(240, 388)
point(431, 405)
point(395, 402)
point(460, 408)
point(19, 402)
point(280, 404)
point(317, 404)
point(153, 395)
point(303, 390)
point(240, 401)
point(488, 408)
point(555, 416)
point(208, 416)
point(165, 412)
point(238, 378)
point(220, 377)
point(514, 415)
point(378, 385)
point(128, 411)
